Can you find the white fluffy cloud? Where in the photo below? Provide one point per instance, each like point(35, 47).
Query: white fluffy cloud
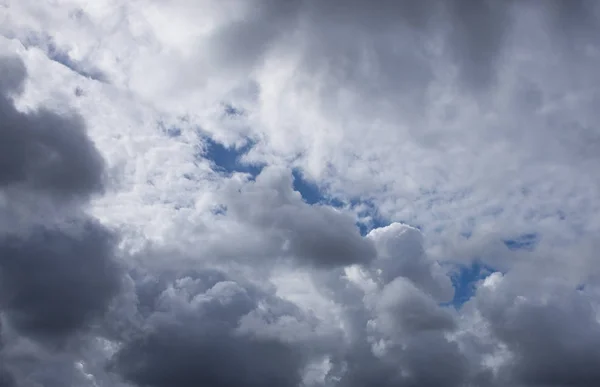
point(470, 128)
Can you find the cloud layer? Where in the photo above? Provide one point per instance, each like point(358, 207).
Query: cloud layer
point(438, 138)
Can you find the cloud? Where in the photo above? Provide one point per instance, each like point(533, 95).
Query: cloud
point(312, 234)
point(58, 272)
point(15, 73)
point(401, 253)
point(190, 338)
point(401, 306)
point(42, 150)
point(128, 258)
point(551, 330)
point(53, 281)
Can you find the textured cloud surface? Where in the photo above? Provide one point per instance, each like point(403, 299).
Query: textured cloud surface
point(333, 193)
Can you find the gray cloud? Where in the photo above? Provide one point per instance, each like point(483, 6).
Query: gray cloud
point(476, 38)
point(552, 332)
point(13, 74)
point(54, 277)
point(316, 235)
point(400, 252)
point(424, 361)
point(190, 339)
point(402, 308)
point(42, 150)
point(58, 272)
point(6, 377)
point(472, 34)
point(53, 282)
point(183, 356)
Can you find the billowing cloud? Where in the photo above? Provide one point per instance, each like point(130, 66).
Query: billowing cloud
point(191, 338)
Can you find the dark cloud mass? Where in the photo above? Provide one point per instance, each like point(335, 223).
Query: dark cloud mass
point(555, 338)
point(42, 150)
point(58, 272)
point(190, 339)
point(53, 278)
point(190, 357)
point(53, 282)
point(6, 379)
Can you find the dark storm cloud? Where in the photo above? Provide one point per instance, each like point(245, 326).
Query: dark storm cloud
point(326, 239)
point(42, 150)
point(190, 339)
point(6, 377)
point(53, 282)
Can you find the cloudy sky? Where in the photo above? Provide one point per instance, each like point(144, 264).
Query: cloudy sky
point(299, 193)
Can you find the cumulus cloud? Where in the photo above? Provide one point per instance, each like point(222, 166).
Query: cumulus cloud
point(191, 339)
point(401, 252)
point(436, 133)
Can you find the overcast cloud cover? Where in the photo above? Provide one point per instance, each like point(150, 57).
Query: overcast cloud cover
point(449, 238)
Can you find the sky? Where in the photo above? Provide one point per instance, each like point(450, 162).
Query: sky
point(302, 193)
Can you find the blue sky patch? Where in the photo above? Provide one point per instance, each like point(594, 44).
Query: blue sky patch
point(227, 159)
point(465, 280)
point(309, 191)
